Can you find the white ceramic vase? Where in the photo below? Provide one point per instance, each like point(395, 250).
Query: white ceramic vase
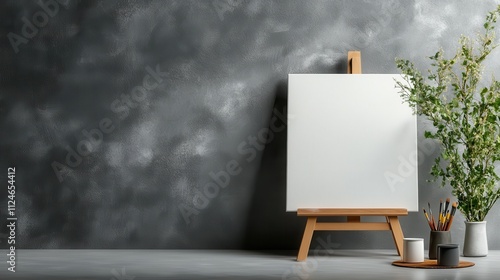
point(476, 240)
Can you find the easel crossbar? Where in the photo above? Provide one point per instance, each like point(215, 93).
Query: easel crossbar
point(352, 226)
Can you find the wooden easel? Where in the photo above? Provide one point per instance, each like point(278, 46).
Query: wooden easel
point(353, 214)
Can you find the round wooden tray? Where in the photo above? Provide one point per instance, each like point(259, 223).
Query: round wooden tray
point(432, 264)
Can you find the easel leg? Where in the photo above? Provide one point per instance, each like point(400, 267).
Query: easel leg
point(306, 239)
point(397, 233)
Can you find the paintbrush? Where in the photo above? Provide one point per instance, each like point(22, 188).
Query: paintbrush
point(444, 213)
point(433, 223)
point(452, 214)
point(446, 206)
point(440, 209)
point(446, 220)
point(427, 218)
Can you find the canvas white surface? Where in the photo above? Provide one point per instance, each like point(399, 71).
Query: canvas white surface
point(352, 143)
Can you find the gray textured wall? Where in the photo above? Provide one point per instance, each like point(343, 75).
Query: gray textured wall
point(221, 68)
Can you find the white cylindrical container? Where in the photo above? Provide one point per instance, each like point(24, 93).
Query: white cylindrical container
point(413, 250)
point(476, 240)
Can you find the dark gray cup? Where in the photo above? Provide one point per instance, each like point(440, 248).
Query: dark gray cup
point(448, 255)
point(438, 237)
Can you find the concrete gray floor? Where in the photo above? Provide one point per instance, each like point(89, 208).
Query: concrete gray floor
point(210, 264)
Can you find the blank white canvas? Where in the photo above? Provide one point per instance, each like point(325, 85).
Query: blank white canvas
point(352, 143)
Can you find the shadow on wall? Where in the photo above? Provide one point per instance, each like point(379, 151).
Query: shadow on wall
point(268, 225)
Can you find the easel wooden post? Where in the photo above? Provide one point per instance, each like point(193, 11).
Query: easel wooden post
point(353, 214)
point(354, 62)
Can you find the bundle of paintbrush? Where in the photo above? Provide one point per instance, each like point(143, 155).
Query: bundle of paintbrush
point(445, 216)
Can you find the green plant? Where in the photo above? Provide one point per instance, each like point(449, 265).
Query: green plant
point(466, 118)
